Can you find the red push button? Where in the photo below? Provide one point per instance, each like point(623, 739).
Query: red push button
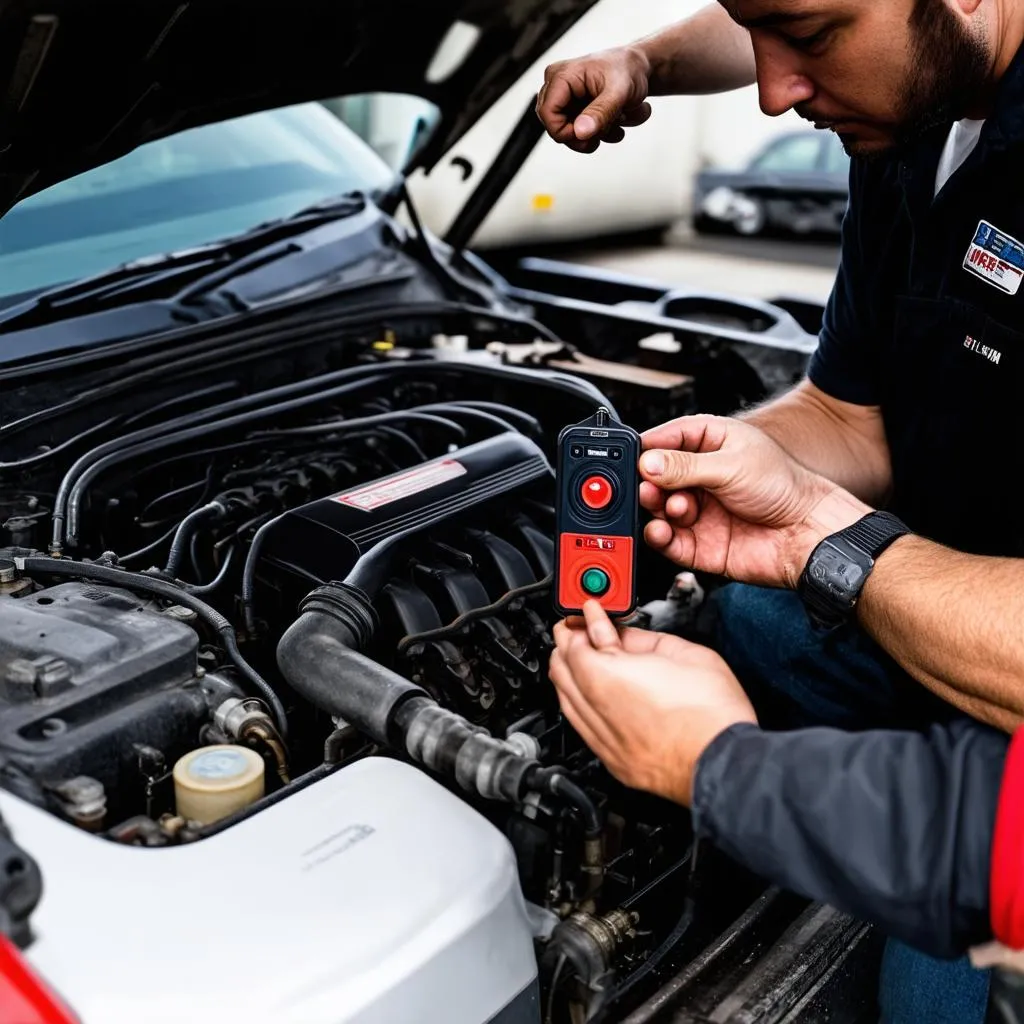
point(596, 492)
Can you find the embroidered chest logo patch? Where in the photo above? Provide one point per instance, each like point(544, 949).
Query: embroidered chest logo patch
point(997, 258)
point(993, 355)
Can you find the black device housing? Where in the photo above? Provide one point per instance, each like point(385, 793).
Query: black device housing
point(597, 445)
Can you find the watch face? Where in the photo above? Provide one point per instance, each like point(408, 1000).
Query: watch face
point(832, 580)
point(838, 570)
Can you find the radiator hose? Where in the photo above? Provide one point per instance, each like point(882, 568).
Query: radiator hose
point(320, 657)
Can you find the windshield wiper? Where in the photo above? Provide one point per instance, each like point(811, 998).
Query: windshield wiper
point(163, 275)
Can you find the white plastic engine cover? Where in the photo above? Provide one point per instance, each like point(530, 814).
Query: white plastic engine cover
point(373, 895)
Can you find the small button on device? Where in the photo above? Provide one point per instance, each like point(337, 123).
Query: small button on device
point(595, 582)
point(596, 492)
point(576, 451)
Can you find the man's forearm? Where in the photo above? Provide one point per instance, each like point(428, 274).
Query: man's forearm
point(893, 827)
point(953, 621)
point(707, 53)
point(844, 443)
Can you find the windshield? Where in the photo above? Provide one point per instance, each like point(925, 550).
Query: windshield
point(199, 186)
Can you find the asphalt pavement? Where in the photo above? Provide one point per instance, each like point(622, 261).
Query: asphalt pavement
point(811, 253)
point(763, 268)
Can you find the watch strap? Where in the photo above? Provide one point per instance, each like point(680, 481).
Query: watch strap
point(875, 532)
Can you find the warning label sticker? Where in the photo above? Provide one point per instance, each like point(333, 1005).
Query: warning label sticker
point(383, 492)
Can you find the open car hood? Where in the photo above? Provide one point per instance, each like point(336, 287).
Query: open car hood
point(81, 83)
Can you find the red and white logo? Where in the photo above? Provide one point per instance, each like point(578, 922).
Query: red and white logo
point(997, 258)
point(394, 488)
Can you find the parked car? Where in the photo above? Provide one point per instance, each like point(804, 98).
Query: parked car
point(276, 539)
point(797, 183)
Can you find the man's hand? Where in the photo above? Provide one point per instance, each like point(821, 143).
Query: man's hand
point(727, 499)
point(594, 99)
point(646, 704)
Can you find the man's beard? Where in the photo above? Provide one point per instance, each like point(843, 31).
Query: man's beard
point(949, 71)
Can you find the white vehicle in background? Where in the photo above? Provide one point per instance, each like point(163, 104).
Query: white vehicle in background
point(643, 185)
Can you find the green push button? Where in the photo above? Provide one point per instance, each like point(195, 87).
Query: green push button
point(595, 582)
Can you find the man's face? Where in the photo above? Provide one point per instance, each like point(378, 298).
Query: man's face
point(877, 72)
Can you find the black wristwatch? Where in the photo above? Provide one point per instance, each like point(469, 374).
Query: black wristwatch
point(839, 566)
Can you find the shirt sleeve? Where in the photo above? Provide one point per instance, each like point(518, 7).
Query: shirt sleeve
point(1007, 884)
point(893, 827)
point(842, 366)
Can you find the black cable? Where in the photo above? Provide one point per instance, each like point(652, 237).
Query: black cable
point(149, 548)
point(402, 436)
point(207, 588)
point(508, 412)
point(169, 496)
point(257, 521)
point(163, 538)
point(193, 555)
point(466, 410)
point(249, 574)
point(192, 396)
point(360, 422)
point(33, 460)
point(381, 455)
point(183, 535)
point(473, 615)
point(169, 592)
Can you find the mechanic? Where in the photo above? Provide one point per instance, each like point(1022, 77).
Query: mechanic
point(894, 825)
point(921, 833)
point(909, 400)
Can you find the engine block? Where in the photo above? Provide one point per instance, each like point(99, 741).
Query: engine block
point(92, 679)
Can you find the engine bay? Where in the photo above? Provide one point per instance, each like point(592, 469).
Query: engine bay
point(220, 583)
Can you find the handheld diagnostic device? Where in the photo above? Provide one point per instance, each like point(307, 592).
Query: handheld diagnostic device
point(597, 515)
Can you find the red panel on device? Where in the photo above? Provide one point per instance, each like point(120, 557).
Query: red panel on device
point(578, 552)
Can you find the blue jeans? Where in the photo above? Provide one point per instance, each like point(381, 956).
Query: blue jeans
point(797, 676)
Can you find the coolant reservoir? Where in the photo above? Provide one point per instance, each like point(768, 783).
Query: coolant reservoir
point(212, 782)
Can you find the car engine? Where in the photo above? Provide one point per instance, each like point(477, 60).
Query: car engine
point(219, 588)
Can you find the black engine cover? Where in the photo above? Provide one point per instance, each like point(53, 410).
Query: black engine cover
point(87, 672)
point(322, 541)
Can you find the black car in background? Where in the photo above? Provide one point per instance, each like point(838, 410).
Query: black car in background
point(797, 183)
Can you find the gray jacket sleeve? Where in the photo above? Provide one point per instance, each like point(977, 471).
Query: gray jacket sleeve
point(892, 827)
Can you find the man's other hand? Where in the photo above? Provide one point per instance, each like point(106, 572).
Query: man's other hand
point(647, 704)
point(594, 99)
point(726, 499)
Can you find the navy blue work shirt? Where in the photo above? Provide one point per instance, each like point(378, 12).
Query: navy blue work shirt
point(926, 320)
